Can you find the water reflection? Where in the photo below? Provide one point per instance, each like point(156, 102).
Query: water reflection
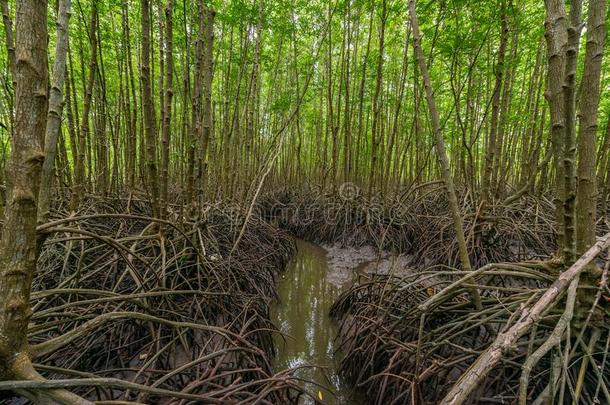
point(306, 296)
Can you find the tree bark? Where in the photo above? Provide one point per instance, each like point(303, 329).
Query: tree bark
point(194, 179)
point(79, 169)
point(132, 102)
point(150, 130)
point(590, 90)
point(56, 104)
point(206, 110)
point(8, 38)
point(556, 35)
point(490, 154)
point(18, 244)
point(167, 107)
point(569, 147)
point(375, 136)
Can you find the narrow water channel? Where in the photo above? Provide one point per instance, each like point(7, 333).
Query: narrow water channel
point(306, 295)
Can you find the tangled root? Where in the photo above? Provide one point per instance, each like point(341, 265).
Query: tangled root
point(167, 306)
point(408, 339)
point(334, 218)
point(418, 224)
point(495, 233)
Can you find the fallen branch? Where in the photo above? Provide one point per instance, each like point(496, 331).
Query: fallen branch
point(97, 382)
point(505, 340)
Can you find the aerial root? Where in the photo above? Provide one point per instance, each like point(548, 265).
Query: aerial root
point(417, 223)
point(130, 309)
point(415, 338)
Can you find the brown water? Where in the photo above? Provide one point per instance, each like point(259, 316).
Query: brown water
point(307, 291)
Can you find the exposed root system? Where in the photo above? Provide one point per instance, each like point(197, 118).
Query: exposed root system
point(499, 233)
point(331, 218)
point(417, 223)
point(407, 340)
point(151, 311)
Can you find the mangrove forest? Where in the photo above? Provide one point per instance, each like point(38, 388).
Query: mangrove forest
point(343, 202)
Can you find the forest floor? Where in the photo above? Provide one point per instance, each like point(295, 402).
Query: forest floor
point(164, 313)
point(173, 311)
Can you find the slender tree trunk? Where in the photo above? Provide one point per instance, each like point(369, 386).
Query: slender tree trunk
point(604, 169)
point(569, 147)
point(441, 152)
point(557, 41)
point(124, 116)
point(18, 244)
point(10, 48)
point(206, 81)
point(65, 174)
point(185, 144)
point(72, 121)
point(150, 132)
point(490, 154)
point(347, 107)
point(502, 162)
point(330, 117)
point(56, 103)
point(587, 187)
point(375, 133)
point(132, 102)
point(8, 38)
point(167, 108)
point(101, 138)
point(79, 170)
point(395, 121)
point(195, 172)
point(252, 95)
point(362, 86)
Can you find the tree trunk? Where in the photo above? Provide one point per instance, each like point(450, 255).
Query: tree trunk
point(55, 110)
point(590, 90)
point(490, 154)
point(132, 102)
point(194, 180)
point(441, 152)
point(167, 107)
point(79, 169)
point(8, 38)
point(604, 169)
point(18, 244)
point(375, 136)
point(150, 132)
point(557, 41)
point(569, 147)
point(206, 81)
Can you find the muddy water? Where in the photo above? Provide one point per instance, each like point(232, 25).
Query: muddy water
point(307, 291)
